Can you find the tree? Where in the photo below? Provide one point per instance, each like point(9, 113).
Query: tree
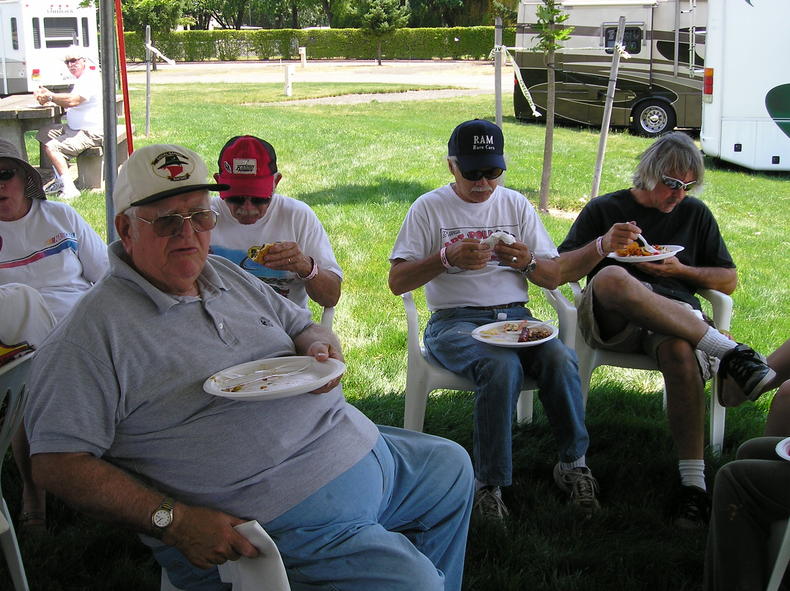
point(382, 17)
point(550, 36)
point(162, 15)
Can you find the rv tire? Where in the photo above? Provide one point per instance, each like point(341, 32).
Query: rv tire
point(652, 118)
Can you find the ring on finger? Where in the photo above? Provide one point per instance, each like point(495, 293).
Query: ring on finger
point(513, 259)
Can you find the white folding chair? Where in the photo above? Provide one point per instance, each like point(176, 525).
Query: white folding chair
point(13, 396)
point(327, 316)
point(590, 358)
point(424, 374)
point(781, 531)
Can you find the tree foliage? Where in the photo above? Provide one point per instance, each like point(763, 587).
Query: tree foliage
point(382, 17)
point(161, 15)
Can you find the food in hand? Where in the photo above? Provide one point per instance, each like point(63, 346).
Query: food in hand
point(637, 250)
point(498, 236)
point(257, 253)
point(533, 334)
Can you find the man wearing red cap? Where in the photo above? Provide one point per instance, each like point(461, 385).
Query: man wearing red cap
point(300, 262)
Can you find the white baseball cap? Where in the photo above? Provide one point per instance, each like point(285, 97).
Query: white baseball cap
point(159, 171)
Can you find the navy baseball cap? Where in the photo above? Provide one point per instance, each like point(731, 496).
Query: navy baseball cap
point(478, 145)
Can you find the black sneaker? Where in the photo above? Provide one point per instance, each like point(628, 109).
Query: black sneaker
point(693, 508)
point(581, 486)
point(748, 369)
point(489, 504)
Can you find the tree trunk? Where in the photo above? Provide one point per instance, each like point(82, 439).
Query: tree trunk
point(328, 12)
point(378, 50)
point(294, 15)
point(548, 145)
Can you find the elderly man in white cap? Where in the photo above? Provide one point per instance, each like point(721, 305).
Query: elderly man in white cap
point(84, 127)
point(122, 428)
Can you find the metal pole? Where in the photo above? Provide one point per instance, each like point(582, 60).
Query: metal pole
point(607, 111)
point(498, 70)
point(107, 46)
point(147, 80)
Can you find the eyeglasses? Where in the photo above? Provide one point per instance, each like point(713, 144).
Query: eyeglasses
point(171, 224)
point(72, 60)
point(476, 175)
point(6, 174)
point(674, 183)
point(255, 201)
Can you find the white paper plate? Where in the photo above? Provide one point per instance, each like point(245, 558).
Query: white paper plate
point(783, 449)
point(494, 334)
point(274, 378)
point(670, 250)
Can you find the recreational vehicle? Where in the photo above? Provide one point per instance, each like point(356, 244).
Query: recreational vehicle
point(658, 87)
point(746, 97)
point(34, 35)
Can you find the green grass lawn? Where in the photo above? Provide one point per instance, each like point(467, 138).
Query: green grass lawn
point(360, 167)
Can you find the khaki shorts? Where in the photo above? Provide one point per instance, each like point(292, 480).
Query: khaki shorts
point(67, 141)
point(633, 338)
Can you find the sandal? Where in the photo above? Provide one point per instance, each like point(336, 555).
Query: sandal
point(32, 520)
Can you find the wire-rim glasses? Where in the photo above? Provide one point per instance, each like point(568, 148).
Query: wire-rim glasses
point(171, 224)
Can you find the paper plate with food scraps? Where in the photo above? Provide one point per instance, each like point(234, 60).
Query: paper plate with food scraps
point(640, 255)
point(270, 379)
point(515, 333)
point(783, 449)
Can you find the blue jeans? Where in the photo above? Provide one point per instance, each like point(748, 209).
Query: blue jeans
point(499, 374)
point(395, 521)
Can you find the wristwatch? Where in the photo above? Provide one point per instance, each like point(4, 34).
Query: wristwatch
point(531, 266)
point(162, 517)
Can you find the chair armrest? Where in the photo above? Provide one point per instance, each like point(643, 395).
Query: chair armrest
point(566, 314)
point(412, 324)
point(327, 316)
point(722, 307)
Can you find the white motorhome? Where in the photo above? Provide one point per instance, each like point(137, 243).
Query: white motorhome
point(746, 97)
point(34, 35)
point(658, 87)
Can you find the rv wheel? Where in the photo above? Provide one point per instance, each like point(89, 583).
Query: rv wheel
point(652, 118)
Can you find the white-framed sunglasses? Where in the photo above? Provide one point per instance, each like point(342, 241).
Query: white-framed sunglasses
point(674, 183)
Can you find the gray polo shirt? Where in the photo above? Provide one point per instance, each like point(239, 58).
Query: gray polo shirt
point(121, 377)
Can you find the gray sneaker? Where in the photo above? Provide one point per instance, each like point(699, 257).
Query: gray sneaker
point(53, 188)
point(581, 485)
point(749, 371)
point(489, 504)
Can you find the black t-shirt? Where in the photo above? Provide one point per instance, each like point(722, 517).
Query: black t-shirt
point(690, 224)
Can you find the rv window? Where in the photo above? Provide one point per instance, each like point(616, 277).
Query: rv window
point(36, 34)
point(60, 31)
point(14, 34)
point(632, 38)
point(86, 41)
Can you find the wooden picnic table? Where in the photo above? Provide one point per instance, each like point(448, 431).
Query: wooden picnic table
point(20, 113)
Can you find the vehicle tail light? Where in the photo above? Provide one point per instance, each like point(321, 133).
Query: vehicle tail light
point(707, 82)
point(36, 73)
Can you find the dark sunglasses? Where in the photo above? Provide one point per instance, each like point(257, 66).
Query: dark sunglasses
point(476, 175)
point(255, 201)
point(674, 183)
point(72, 60)
point(171, 224)
point(7, 174)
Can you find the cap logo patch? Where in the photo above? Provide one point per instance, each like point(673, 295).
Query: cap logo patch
point(245, 166)
point(483, 142)
point(173, 166)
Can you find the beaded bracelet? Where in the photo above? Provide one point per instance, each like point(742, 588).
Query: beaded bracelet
point(443, 256)
point(599, 246)
point(313, 271)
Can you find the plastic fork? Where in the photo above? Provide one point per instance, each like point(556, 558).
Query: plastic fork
point(246, 382)
point(647, 245)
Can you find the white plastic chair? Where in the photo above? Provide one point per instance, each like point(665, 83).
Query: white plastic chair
point(13, 396)
point(327, 316)
point(424, 374)
point(781, 530)
point(590, 358)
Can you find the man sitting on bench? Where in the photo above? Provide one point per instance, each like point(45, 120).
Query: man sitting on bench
point(84, 121)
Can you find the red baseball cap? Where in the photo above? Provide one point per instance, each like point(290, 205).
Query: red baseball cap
point(248, 165)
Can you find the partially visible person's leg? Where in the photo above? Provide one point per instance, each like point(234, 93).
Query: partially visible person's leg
point(749, 495)
point(396, 521)
point(778, 422)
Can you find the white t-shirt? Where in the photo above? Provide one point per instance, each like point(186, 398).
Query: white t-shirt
point(441, 217)
point(286, 219)
point(53, 250)
point(88, 114)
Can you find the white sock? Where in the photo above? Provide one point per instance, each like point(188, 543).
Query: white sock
point(715, 343)
point(579, 462)
point(68, 182)
point(692, 473)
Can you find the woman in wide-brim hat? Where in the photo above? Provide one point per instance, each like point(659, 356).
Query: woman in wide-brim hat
point(47, 246)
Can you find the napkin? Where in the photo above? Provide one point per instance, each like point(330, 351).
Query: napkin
point(265, 573)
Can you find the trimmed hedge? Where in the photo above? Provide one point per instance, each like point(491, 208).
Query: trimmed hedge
point(272, 44)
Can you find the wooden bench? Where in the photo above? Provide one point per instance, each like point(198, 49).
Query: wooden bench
point(90, 169)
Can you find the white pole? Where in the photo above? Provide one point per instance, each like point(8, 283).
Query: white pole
point(147, 80)
point(498, 70)
point(607, 111)
point(303, 56)
point(289, 73)
point(108, 63)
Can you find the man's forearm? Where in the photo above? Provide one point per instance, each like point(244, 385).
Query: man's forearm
point(316, 333)
point(575, 264)
point(719, 278)
point(409, 275)
point(324, 288)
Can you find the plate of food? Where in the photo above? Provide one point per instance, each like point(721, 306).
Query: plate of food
point(783, 449)
point(636, 253)
point(515, 333)
point(270, 379)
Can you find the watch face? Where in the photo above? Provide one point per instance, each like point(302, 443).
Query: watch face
point(162, 518)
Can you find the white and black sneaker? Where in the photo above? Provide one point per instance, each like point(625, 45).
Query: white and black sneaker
point(748, 369)
point(55, 187)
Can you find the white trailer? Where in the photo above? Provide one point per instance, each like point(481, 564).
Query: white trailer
point(658, 87)
point(34, 35)
point(746, 96)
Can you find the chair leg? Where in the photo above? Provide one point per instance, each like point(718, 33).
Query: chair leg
point(717, 418)
point(11, 552)
point(524, 407)
point(585, 375)
point(416, 401)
